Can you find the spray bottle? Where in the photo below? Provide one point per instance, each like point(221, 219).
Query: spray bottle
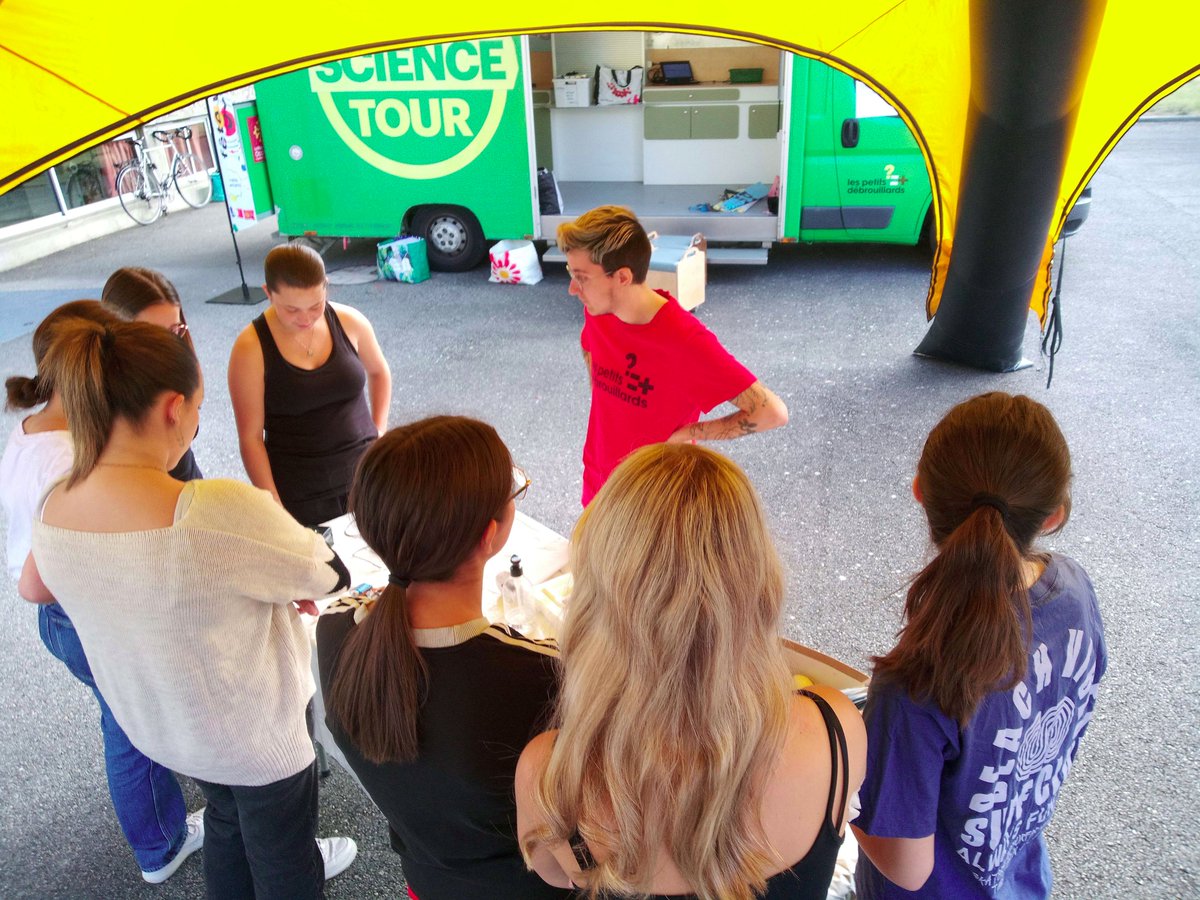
point(518, 602)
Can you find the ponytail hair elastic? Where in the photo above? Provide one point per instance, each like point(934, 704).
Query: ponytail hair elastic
point(996, 503)
point(399, 580)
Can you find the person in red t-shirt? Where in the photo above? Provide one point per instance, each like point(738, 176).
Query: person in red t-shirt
point(654, 368)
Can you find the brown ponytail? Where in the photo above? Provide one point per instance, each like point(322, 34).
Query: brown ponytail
point(422, 498)
point(117, 370)
point(26, 393)
point(991, 473)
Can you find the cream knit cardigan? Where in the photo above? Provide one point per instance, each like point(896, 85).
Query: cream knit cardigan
point(190, 630)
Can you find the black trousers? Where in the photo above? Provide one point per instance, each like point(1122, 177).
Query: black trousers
point(261, 842)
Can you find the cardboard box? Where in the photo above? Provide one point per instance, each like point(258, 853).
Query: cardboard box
point(678, 265)
point(822, 669)
point(573, 91)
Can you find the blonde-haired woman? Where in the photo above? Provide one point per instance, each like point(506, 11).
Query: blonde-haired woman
point(683, 763)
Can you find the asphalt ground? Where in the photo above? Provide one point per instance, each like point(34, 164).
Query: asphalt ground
point(831, 329)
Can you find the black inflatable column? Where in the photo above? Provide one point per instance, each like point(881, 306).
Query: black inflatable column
point(1029, 59)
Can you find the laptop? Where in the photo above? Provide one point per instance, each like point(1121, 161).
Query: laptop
point(678, 72)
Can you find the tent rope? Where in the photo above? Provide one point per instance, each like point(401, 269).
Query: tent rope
point(1052, 336)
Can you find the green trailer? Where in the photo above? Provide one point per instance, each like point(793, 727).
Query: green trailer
point(445, 140)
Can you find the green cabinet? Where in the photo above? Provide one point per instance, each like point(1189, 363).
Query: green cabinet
point(764, 120)
point(681, 123)
point(688, 94)
point(715, 121)
point(667, 123)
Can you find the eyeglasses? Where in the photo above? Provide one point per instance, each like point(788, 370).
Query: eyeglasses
point(179, 329)
point(520, 484)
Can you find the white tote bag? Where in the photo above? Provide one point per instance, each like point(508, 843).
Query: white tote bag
point(615, 87)
point(515, 262)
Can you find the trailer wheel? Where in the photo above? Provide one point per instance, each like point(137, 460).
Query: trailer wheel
point(454, 241)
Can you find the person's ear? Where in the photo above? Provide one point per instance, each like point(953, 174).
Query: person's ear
point(1055, 520)
point(174, 407)
point(488, 541)
point(624, 276)
point(916, 489)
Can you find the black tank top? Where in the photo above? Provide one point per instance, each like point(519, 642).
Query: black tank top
point(808, 878)
point(316, 423)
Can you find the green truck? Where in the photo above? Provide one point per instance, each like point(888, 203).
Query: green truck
point(445, 141)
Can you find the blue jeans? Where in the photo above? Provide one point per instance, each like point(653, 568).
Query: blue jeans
point(145, 795)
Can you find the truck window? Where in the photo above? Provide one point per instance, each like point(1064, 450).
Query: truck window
point(868, 104)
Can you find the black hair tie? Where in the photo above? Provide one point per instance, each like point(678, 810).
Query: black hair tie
point(399, 580)
point(107, 340)
point(996, 503)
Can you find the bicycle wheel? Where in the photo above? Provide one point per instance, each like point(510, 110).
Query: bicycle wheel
point(76, 195)
point(142, 205)
point(192, 180)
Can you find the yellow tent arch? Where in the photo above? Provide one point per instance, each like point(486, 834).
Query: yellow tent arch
point(75, 75)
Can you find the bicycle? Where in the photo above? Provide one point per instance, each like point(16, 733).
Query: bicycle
point(144, 194)
point(84, 184)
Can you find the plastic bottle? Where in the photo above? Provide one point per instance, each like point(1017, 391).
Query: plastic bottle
point(518, 602)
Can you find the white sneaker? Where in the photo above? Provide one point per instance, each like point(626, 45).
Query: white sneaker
point(193, 842)
point(338, 853)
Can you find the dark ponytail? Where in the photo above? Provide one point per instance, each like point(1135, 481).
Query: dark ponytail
point(422, 499)
point(116, 370)
point(991, 474)
point(26, 393)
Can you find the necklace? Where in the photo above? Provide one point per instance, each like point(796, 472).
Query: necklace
point(308, 351)
point(113, 465)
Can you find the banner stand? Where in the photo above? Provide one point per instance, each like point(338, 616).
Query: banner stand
point(243, 295)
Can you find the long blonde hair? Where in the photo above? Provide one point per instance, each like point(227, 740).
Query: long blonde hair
point(675, 692)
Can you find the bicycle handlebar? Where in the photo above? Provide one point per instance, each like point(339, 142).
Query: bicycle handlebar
point(167, 136)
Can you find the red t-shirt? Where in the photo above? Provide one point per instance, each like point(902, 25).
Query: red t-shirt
point(647, 381)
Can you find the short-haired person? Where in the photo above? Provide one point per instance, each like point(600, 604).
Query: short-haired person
point(184, 596)
point(136, 294)
point(655, 369)
point(430, 703)
point(296, 379)
point(683, 763)
point(145, 795)
point(975, 716)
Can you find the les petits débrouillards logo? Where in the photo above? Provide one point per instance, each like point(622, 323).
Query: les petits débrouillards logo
point(425, 112)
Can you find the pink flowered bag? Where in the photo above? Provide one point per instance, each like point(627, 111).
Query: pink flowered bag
point(515, 262)
point(615, 87)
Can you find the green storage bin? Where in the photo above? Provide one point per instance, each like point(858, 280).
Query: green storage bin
point(745, 76)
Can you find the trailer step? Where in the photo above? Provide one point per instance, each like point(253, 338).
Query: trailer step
point(717, 256)
point(737, 256)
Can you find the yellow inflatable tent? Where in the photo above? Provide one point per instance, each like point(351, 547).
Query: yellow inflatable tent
point(75, 74)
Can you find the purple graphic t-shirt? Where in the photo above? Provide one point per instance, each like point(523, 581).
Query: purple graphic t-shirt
point(986, 792)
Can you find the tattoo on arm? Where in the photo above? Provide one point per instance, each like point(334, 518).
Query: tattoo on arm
point(737, 424)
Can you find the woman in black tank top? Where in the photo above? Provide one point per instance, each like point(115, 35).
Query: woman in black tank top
point(681, 758)
point(297, 375)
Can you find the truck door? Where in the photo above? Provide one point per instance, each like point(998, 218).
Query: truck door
point(810, 202)
point(881, 178)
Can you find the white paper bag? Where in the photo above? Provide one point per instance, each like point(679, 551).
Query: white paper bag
point(515, 262)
